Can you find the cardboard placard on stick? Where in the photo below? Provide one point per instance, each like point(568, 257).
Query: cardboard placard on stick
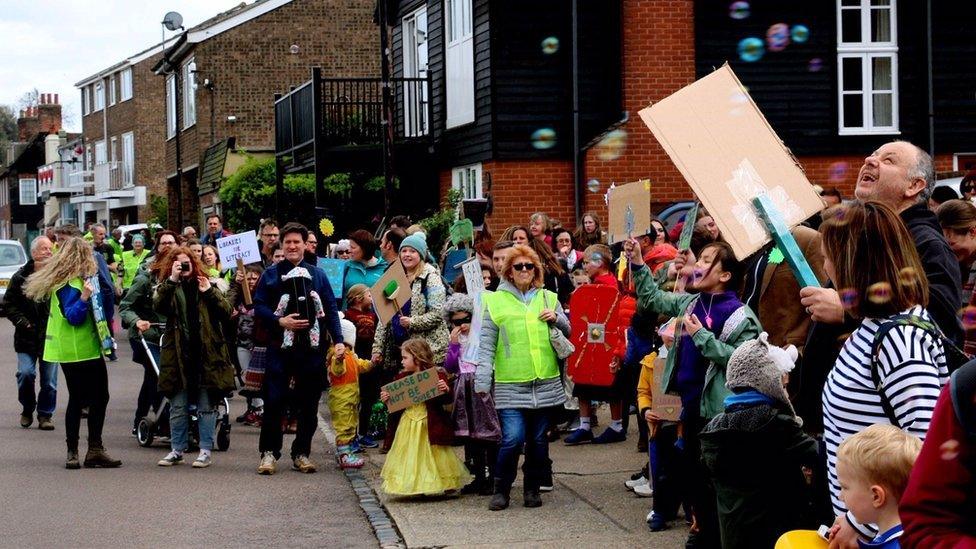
point(391, 292)
point(630, 211)
point(243, 246)
point(663, 405)
point(245, 286)
point(688, 229)
point(412, 389)
point(726, 150)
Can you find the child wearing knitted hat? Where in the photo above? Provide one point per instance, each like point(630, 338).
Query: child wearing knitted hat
point(755, 450)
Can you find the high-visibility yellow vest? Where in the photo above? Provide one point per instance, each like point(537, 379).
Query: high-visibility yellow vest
point(130, 265)
point(523, 352)
point(65, 342)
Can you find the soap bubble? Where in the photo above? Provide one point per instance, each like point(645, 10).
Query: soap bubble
point(778, 37)
point(612, 145)
point(550, 45)
point(907, 277)
point(593, 185)
point(968, 317)
point(739, 10)
point(815, 64)
point(848, 298)
point(949, 449)
point(799, 33)
point(837, 172)
point(879, 293)
point(751, 49)
point(544, 138)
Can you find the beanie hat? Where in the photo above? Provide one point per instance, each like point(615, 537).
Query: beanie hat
point(417, 241)
point(139, 238)
point(342, 245)
point(760, 366)
point(456, 303)
point(355, 292)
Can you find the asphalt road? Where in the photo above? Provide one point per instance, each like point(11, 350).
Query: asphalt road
point(143, 505)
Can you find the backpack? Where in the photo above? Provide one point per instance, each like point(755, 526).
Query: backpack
point(955, 357)
point(962, 389)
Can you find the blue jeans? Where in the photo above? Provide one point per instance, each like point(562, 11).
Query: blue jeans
point(46, 399)
point(179, 421)
point(522, 426)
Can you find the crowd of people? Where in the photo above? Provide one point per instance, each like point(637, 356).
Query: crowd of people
point(799, 406)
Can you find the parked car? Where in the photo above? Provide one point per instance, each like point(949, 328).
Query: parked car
point(675, 213)
point(12, 258)
point(139, 228)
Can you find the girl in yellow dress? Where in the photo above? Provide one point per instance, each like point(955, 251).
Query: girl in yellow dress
point(421, 460)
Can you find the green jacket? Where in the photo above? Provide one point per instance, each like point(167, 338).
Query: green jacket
point(716, 349)
point(217, 370)
point(138, 305)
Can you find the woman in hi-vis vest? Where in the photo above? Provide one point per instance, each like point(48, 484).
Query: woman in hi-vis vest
point(515, 349)
point(73, 339)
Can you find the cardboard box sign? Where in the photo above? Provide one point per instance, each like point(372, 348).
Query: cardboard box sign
point(664, 405)
point(391, 292)
point(729, 154)
point(412, 389)
point(630, 211)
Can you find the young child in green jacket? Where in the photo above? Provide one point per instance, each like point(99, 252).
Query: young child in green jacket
point(712, 322)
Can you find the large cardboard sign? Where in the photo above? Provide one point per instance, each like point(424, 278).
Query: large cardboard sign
point(595, 330)
point(729, 154)
point(630, 211)
point(242, 246)
point(412, 389)
point(391, 292)
point(335, 271)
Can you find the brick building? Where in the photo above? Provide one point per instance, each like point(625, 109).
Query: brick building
point(220, 79)
point(122, 146)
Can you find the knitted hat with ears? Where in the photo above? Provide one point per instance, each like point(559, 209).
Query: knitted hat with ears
point(760, 366)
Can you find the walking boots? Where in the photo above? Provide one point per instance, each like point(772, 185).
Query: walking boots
point(500, 499)
point(97, 457)
point(72, 461)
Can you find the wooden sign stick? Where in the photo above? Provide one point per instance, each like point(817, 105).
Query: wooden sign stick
point(784, 240)
point(244, 286)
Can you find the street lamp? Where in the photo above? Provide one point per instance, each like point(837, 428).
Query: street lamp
point(173, 21)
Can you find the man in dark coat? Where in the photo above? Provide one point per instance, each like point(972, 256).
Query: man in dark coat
point(30, 324)
point(302, 360)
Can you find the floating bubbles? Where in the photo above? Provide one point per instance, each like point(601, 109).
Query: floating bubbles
point(550, 45)
point(612, 145)
point(294, 49)
point(751, 49)
point(593, 186)
point(739, 10)
point(949, 449)
point(815, 64)
point(778, 37)
point(968, 317)
point(799, 33)
point(837, 172)
point(879, 293)
point(848, 298)
point(544, 138)
point(907, 277)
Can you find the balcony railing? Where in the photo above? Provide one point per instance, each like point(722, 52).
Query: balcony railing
point(112, 176)
point(77, 181)
point(52, 178)
point(339, 112)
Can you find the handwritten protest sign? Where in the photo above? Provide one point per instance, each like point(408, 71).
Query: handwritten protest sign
point(335, 271)
point(663, 405)
point(729, 154)
point(630, 211)
point(391, 292)
point(412, 389)
point(473, 280)
point(243, 246)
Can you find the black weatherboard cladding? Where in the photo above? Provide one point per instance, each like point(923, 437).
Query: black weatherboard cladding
point(800, 104)
point(954, 79)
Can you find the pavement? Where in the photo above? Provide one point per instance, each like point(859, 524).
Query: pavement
point(143, 505)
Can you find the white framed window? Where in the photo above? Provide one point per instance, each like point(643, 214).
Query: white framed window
point(101, 153)
point(125, 84)
point(84, 101)
point(189, 94)
point(467, 179)
point(111, 90)
point(415, 63)
point(91, 99)
point(459, 60)
point(89, 158)
point(170, 106)
point(867, 67)
point(28, 192)
point(99, 96)
point(4, 193)
point(113, 151)
point(128, 158)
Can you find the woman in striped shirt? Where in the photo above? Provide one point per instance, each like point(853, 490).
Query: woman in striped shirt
point(869, 253)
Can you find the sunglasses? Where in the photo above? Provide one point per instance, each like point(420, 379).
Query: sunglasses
point(461, 321)
point(524, 266)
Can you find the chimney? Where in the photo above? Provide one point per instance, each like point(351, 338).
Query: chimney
point(48, 114)
point(27, 125)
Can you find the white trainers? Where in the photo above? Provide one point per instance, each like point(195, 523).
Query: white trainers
point(203, 460)
point(171, 459)
point(639, 481)
point(268, 464)
point(643, 490)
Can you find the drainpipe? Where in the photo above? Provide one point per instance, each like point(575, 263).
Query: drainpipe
point(928, 52)
point(577, 153)
point(108, 212)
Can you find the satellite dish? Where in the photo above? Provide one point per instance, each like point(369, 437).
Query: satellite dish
point(173, 21)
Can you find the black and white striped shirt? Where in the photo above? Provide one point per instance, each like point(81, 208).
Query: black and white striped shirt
point(912, 369)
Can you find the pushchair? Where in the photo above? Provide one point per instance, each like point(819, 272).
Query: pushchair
point(157, 423)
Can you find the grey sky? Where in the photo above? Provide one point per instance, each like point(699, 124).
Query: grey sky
point(51, 44)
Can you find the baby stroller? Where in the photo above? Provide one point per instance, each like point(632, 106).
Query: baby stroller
point(157, 424)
